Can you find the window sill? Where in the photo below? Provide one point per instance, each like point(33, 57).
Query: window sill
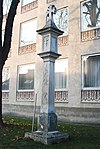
point(5, 91)
point(63, 89)
point(25, 90)
point(91, 88)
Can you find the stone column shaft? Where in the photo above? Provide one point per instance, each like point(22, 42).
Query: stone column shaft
point(47, 116)
point(47, 103)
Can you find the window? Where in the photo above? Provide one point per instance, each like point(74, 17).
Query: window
point(25, 2)
point(3, 32)
point(90, 14)
point(5, 79)
point(28, 32)
point(61, 19)
point(61, 74)
point(6, 6)
point(91, 71)
point(26, 77)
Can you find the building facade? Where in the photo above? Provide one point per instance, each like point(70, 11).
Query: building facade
point(77, 71)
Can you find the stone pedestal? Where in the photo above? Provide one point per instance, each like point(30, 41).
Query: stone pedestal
point(48, 137)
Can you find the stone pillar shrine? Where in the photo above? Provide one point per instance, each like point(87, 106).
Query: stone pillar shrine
point(47, 122)
point(47, 117)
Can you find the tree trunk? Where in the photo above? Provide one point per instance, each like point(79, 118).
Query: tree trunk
point(1, 121)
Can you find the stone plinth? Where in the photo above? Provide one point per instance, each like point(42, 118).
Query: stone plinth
point(48, 137)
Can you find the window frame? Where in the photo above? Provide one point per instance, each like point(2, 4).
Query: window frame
point(3, 90)
point(82, 72)
point(81, 17)
point(24, 90)
point(21, 33)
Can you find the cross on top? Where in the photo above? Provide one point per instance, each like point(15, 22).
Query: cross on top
point(50, 11)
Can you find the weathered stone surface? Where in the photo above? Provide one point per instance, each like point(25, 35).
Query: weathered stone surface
point(49, 137)
point(47, 122)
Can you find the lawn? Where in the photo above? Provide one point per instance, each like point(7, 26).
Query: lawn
point(81, 136)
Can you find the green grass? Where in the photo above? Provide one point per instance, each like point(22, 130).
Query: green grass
point(81, 136)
